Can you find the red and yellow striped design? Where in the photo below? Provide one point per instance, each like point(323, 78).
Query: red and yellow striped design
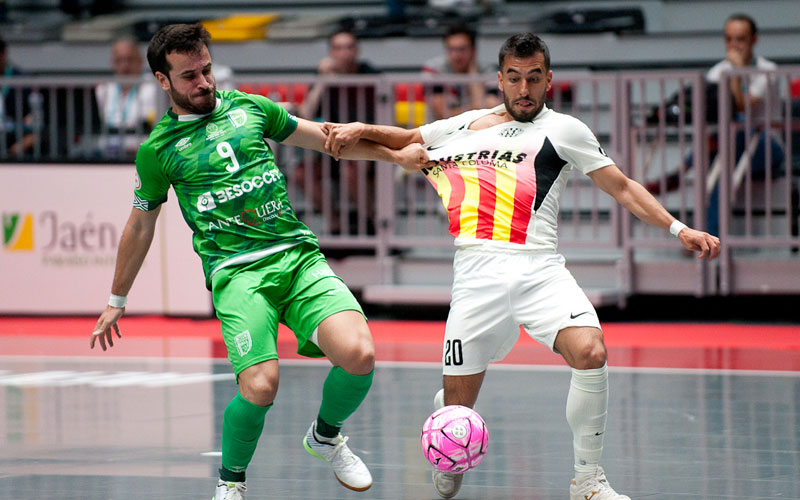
point(486, 202)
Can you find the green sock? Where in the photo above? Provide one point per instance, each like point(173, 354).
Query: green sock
point(242, 424)
point(342, 393)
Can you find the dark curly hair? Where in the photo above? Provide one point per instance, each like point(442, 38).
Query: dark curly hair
point(181, 38)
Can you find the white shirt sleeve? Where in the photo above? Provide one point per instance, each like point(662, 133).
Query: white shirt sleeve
point(436, 132)
point(577, 144)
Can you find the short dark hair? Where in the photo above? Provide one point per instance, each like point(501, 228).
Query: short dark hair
point(524, 45)
point(739, 16)
point(181, 38)
point(342, 31)
point(461, 29)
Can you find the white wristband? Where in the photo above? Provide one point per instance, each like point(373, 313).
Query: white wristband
point(118, 301)
point(676, 227)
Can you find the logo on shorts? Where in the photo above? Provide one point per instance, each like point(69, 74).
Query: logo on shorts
point(243, 342)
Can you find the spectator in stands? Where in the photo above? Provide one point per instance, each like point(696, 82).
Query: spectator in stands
point(342, 59)
point(741, 36)
point(323, 102)
point(127, 110)
point(16, 112)
point(460, 59)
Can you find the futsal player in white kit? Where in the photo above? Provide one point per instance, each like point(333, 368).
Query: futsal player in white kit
point(500, 173)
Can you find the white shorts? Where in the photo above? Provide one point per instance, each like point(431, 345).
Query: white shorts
point(494, 292)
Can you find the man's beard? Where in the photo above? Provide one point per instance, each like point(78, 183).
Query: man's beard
point(204, 107)
point(524, 116)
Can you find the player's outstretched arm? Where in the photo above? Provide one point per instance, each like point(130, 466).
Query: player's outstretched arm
point(133, 246)
point(343, 136)
point(311, 135)
point(634, 197)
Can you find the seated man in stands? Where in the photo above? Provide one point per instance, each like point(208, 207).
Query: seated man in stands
point(749, 96)
point(460, 59)
point(127, 110)
point(328, 101)
point(741, 36)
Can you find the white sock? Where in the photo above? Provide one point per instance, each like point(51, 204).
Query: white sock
point(587, 407)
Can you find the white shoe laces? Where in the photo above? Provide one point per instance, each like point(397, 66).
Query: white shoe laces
point(343, 456)
point(234, 493)
point(600, 484)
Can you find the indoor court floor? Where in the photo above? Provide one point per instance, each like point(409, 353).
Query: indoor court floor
point(697, 412)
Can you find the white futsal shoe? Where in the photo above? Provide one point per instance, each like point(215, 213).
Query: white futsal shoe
point(446, 484)
point(595, 488)
point(230, 490)
point(347, 467)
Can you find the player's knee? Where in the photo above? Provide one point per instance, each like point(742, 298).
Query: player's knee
point(259, 386)
point(591, 355)
point(361, 360)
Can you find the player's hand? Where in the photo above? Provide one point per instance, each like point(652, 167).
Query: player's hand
point(341, 136)
point(413, 157)
point(107, 322)
point(708, 245)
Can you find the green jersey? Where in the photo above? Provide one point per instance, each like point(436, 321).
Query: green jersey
point(229, 189)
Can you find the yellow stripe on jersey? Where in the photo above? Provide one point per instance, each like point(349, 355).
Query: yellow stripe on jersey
point(443, 187)
point(506, 183)
point(469, 207)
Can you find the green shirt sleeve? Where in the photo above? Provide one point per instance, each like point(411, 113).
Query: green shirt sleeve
point(280, 124)
point(152, 183)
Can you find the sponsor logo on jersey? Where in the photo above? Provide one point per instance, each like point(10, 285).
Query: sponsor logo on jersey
point(251, 216)
point(183, 143)
point(510, 132)
point(237, 117)
point(213, 131)
point(243, 342)
point(496, 159)
point(205, 202)
point(239, 189)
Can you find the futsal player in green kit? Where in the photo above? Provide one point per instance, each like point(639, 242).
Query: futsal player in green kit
point(261, 263)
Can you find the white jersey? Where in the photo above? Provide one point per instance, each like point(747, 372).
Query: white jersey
point(501, 185)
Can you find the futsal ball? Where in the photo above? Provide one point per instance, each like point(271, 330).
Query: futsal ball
point(455, 439)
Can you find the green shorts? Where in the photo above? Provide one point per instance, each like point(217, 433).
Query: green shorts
point(295, 287)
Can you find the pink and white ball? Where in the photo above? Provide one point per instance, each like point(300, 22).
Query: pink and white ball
point(455, 439)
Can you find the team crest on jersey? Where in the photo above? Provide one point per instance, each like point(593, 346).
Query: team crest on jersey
point(243, 342)
point(510, 132)
point(183, 143)
point(213, 131)
point(237, 117)
point(137, 182)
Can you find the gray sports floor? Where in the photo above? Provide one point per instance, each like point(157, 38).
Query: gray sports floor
point(136, 429)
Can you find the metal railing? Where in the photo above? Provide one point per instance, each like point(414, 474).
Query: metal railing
point(663, 129)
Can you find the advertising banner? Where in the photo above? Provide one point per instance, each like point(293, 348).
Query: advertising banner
point(61, 230)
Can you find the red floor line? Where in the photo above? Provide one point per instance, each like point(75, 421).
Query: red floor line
point(669, 345)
